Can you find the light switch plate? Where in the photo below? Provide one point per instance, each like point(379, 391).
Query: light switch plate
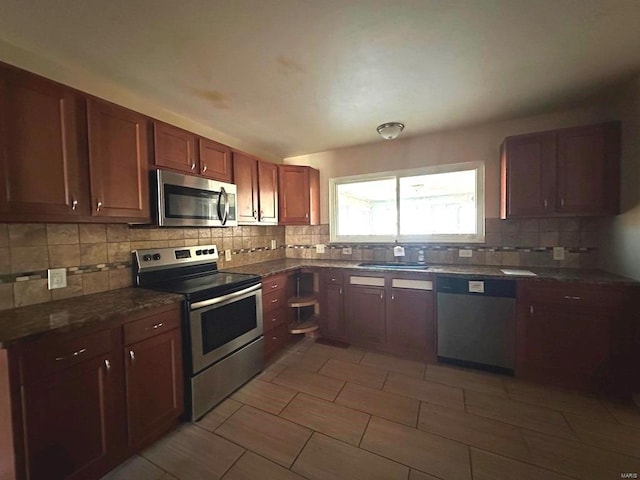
point(320, 248)
point(57, 278)
point(347, 251)
point(227, 255)
point(465, 252)
point(273, 244)
point(398, 251)
point(558, 253)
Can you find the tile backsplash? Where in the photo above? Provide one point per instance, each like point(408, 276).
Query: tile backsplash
point(98, 257)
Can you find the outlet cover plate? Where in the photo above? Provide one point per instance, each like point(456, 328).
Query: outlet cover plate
point(398, 251)
point(319, 248)
point(465, 252)
point(273, 244)
point(227, 255)
point(558, 253)
point(347, 251)
point(57, 278)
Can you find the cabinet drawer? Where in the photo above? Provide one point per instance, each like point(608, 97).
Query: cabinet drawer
point(150, 326)
point(274, 300)
point(41, 358)
point(277, 282)
point(574, 294)
point(333, 277)
point(275, 340)
point(273, 319)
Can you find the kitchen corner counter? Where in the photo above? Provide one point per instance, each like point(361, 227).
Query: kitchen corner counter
point(63, 316)
point(489, 271)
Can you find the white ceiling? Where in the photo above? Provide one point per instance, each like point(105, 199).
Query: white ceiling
point(300, 76)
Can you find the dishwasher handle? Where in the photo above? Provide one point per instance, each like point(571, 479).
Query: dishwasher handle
point(491, 287)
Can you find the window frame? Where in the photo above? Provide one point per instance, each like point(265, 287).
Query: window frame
point(478, 237)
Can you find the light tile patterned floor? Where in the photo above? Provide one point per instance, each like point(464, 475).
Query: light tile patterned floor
point(320, 412)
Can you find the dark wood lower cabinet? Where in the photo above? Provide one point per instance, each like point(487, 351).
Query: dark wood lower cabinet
point(154, 383)
point(82, 402)
point(67, 419)
point(365, 313)
point(410, 323)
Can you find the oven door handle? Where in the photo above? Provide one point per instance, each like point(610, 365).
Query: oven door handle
point(224, 298)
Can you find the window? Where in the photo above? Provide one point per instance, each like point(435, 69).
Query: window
point(434, 204)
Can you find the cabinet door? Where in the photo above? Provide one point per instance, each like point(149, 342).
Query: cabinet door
point(215, 160)
point(564, 344)
point(67, 419)
point(175, 148)
point(154, 385)
point(332, 312)
point(582, 171)
point(410, 322)
point(529, 175)
point(119, 162)
point(268, 189)
point(365, 314)
point(43, 167)
point(294, 195)
point(245, 176)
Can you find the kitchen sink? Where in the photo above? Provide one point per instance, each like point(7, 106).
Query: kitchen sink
point(395, 265)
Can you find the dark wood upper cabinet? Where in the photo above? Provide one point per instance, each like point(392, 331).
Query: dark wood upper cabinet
point(257, 183)
point(568, 172)
point(245, 176)
point(268, 192)
point(119, 161)
point(43, 166)
point(215, 160)
point(299, 195)
point(175, 148)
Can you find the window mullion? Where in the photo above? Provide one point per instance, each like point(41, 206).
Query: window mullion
point(397, 207)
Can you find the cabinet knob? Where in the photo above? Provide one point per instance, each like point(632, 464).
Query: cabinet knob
point(381, 295)
point(98, 206)
point(204, 168)
point(132, 355)
point(107, 365)
point(74, 203)
point(306, 215)
point(193, 166)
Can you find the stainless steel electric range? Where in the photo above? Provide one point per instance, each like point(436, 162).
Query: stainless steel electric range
point(222, 315)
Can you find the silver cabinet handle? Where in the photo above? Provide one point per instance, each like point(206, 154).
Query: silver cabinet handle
point(546, 203)
point(571, 297)
point(275, 285)
point(275, 300)
point(562, 202)
point(74, 354)
point(273, 320)
point(155, 327)
point(381, 295)
point(340, 290)
point(98, 206)
point(107, 365)
point(531, 309)
point(193, 166)
point(204, 168)
point(306, 215)
point(393, 296)
point(132, 355)
point(74, 203)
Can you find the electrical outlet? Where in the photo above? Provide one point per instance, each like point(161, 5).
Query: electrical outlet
point(320, 248)
point(347, 251)
point(227, 255)
point(57, 278)
point(398, 251)
point(273, 244)
point(465, 252)
point(558, 253)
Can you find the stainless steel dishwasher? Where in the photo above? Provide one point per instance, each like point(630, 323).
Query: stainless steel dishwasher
point(476, 322)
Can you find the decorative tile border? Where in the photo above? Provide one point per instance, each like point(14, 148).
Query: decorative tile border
point(42, 274)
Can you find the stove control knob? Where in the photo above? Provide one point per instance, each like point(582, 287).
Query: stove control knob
point(198, 252)
point(207, 251)
point(156, 256)
point(146, 257)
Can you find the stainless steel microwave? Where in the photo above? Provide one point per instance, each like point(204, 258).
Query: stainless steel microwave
point(188, 201)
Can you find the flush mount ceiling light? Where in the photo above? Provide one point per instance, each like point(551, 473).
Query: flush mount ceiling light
point(390, 130)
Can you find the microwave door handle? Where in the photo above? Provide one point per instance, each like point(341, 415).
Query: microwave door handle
point(223, 220)
point(226, 204)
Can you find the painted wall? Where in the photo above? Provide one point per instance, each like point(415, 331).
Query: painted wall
point(454, 146)
point(621, 234)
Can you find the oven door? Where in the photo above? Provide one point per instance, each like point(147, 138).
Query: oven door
point(184, 201)
point(221, 325)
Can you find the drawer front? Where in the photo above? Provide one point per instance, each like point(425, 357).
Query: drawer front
point(270, 284)
point(151, 326)
point(42, 358)
point(333, 277)
point(574, 294)
point(273, 319)
point(275, 340)
point(273, 300)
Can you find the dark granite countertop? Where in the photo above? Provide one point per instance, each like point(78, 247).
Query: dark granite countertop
point(24, 323)
point(476, 271)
